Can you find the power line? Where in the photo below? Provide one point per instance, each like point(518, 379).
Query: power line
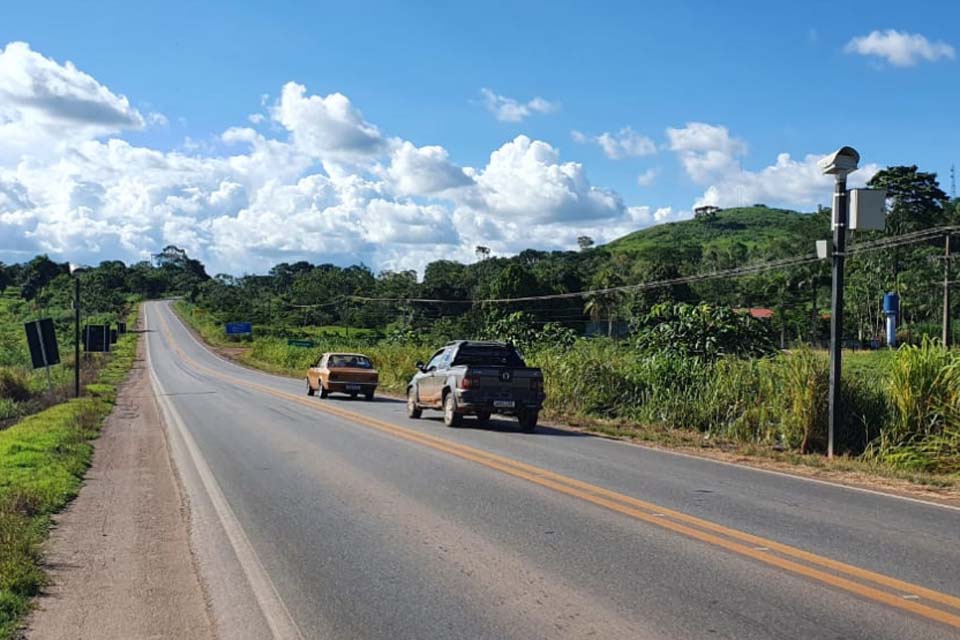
point(863, 247)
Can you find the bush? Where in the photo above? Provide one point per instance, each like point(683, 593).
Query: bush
point(14, 385)
point(703, 331)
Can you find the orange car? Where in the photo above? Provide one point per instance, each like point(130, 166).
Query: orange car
point(350, 373)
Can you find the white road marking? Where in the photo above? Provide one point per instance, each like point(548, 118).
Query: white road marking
point(275, 612)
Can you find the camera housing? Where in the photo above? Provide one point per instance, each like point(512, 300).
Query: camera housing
point(842, 161)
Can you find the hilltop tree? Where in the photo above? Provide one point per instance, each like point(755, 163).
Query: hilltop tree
point(584, 242)
point(37, 274)
point(918, 201)
point(4, 278)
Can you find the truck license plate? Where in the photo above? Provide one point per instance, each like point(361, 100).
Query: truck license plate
point(353, 387)
point(503, 404)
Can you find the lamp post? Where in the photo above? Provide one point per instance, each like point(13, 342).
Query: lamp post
point(838, 164)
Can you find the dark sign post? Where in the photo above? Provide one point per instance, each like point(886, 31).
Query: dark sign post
point(96, 338)
point(42, 340)
point(121, 327)
point(113, 336)
point(238, 329)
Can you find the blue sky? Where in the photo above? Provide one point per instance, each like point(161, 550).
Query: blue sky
point(763, 81)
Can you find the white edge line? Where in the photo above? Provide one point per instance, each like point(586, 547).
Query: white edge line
point(278, 617)
point(617, 441)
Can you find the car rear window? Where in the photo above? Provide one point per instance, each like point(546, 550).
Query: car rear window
point(354, 362)
point(477, 355)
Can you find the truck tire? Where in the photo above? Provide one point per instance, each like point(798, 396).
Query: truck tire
point(483, 417)
point(310, 389)
point(323, 391)
point(368, 396)
point(413, 411)
point(528, 421)
point(450, 416)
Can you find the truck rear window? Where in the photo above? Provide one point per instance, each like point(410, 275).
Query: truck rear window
point(500, 356)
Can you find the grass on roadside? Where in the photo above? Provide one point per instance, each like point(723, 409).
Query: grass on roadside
point(42, 462)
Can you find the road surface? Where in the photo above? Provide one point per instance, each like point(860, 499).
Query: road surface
point(344, 519)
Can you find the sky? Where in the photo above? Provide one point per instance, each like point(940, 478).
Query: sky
point(394, 134)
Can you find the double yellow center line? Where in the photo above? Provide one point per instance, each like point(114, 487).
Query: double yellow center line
point(924, 602)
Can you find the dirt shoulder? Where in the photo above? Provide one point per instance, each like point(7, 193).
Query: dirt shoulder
point(119, 556)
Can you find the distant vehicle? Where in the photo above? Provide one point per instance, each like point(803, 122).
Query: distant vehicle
point(350, 373)
point(480, 379)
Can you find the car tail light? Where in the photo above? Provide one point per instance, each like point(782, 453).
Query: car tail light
point(536, 385)
point(469, 382)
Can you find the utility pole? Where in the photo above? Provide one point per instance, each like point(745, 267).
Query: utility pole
point(946, 290)
point(838, 164)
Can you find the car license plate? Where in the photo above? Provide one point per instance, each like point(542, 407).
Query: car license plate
point(353, 387)
point(503, 404)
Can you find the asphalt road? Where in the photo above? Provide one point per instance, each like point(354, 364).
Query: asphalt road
point(345, 519)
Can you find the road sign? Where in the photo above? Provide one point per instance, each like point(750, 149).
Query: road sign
point(239, 329)
point(96, 337)
point(121, 327)
point(42, 340)
point(300, 343)
point(113, 336)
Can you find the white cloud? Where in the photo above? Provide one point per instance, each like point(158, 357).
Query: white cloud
point(326, 125)
point(788, 182)
point(647, 178)
point(507, 109)
point(622, 144)
point(330, 188)
point(900, 48)
point(525, 180)
point(423, 170)
point(705, 150)
point(45, 104)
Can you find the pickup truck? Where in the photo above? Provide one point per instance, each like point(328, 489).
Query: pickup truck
point(479, 379)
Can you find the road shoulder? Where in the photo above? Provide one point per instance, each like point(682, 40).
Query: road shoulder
point(119, 556)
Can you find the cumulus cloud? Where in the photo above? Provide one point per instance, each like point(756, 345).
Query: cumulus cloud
point(329, 187)
point(622, 144)
point(526, 180)
point(705, 150)
point(787, 182)
point(507, 109)
point(322, 125)
point(423, 170)
point(899, 48)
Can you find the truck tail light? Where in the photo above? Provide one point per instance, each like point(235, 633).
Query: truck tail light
point(469, 382)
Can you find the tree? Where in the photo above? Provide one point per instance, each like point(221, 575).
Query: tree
point(482, 252)
point(584, 242)
point(918, 201)
point(37, 274)
point(4, 278)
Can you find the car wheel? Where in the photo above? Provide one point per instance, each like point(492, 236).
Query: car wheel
point(323, 391)
point(413, 411)
point(483, 417)
point(310, 389)
point(368, 396)
point(450, 416)
point(528, 421)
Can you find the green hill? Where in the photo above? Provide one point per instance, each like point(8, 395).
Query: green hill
point(762, 230)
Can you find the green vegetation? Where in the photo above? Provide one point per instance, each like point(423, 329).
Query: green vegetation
point(42, 462)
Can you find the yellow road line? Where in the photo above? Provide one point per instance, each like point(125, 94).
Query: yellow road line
point(645, 511)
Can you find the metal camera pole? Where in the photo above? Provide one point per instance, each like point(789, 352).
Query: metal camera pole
point(836, 305)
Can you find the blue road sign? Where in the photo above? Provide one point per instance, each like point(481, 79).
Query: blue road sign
point(239, 329)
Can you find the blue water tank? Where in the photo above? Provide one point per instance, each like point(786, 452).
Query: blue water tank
point(891, 304)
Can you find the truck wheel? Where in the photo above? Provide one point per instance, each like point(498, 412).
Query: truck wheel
point(483, 417)
point(413, 411)
point(368, 396)
point(310, 389)
point(528, 421)
point(323, 391)
point(450, 416)
point(353, 396)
